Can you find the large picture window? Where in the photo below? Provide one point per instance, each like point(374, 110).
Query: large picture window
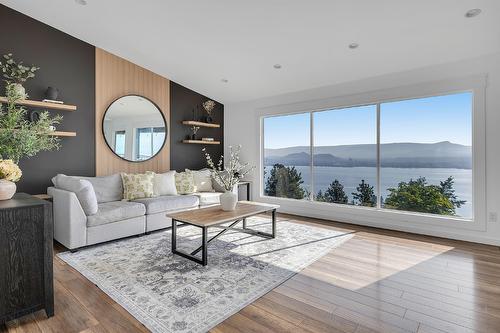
point(287, 161)
point(413, 155)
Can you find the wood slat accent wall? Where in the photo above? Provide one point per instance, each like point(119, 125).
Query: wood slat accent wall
point(117, 77)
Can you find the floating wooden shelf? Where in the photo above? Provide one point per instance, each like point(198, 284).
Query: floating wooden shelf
point(199, 123)
point(201, 142)
point(39, 104)
point(61, 133)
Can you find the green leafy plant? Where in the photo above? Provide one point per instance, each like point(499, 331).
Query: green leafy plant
point(418, 196)
point(16, 72)
point(285, 182)
point(364, 195)
point(334, 193)
point(20, 137)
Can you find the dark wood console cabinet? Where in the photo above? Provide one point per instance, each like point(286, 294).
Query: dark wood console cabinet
point(26, 232)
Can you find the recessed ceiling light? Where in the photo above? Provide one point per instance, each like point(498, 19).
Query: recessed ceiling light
point(473, 12)
point(353, 45)
point(224, 80)
point(81, 2)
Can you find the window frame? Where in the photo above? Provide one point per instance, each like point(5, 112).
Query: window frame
point(378, 215)
point(152, 131)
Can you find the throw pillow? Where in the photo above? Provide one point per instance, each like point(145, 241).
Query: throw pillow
point(164, 184)
point(137, 186)
point(83, 190)
point(202, 180)
point(107, 188)
point(184, 182)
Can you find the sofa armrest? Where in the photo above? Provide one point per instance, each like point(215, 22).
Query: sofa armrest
point(70, 222)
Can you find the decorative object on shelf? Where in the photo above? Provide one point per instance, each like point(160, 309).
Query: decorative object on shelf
point(209, 107)
point(9, 174)
point(51, 94)
point(207, 139)
point(20, 137)
point(194, 129)
point(228, 177)
point(34, 115)
point(16, 74)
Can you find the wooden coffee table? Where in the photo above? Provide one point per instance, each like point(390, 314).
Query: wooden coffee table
point(214, 217)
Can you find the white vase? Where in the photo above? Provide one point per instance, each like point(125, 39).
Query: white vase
point(19, 89)
point(228, 201)
point(7, 189)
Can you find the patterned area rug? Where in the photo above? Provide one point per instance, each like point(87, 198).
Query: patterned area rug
point(171, 294)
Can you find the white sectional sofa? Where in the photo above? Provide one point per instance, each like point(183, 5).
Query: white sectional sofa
point(115, 217)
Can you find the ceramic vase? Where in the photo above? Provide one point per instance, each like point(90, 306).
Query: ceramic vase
point(228, 201)
point(7, 189)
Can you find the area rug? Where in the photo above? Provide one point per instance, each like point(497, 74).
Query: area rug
point(168, 293)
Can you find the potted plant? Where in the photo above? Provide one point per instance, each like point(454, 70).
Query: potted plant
point(16, 73)
point(20, 137)
point(228, 177)
point(9, 174)
point(209, 107)
point(194, 129)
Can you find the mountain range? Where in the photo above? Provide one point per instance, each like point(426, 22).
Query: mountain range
point(397, 155)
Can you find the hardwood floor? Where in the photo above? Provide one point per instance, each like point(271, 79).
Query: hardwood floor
point(378, 281)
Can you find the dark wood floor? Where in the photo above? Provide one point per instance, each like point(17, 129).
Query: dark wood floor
point(378, 281)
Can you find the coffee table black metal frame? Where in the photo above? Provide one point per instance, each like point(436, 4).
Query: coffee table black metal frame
point(204, 236)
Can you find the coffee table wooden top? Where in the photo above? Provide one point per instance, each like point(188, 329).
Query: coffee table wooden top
point(205, 217)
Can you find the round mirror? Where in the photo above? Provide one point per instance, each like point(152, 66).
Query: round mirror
point(134, 128)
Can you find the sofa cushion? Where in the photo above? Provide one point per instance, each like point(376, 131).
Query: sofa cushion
point(202, 180)
point(106, 188)
point(184, 182)
point(115, 211)
point(164, 183)
point(168, 202)
point(208, 198)
point(84, 192)
point(138, 185)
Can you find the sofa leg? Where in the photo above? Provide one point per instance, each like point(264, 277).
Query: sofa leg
point(147, 233)
point(73, 250)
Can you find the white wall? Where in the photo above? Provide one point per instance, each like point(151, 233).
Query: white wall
point(242, 127)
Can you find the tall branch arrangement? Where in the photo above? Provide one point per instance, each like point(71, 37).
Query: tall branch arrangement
point(229, 176)
point(20, 137)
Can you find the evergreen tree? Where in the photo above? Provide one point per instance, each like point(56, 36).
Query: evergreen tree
point(364, 195)
point(418, 196)
point(449, 192)
point(284, 182)
point(334, 193)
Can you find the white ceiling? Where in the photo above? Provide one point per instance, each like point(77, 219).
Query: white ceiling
point(197, 43)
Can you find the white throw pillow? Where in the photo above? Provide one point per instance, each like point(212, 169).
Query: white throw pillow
point(82, 188)
point(202, 180)
point(164, 184)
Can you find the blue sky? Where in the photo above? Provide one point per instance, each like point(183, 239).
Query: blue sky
point(425, 120)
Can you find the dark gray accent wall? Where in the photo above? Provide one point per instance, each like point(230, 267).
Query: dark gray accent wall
point(182, 103)
point(68, 64)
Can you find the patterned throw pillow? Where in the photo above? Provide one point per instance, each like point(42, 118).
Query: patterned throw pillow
point(184, 181)
point(137, 186)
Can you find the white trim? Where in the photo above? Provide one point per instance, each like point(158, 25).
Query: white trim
point(382, 217)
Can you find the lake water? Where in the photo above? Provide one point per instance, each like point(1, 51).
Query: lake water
point(390, 177)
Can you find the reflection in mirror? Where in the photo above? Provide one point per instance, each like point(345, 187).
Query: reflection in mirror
point(134, 128)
